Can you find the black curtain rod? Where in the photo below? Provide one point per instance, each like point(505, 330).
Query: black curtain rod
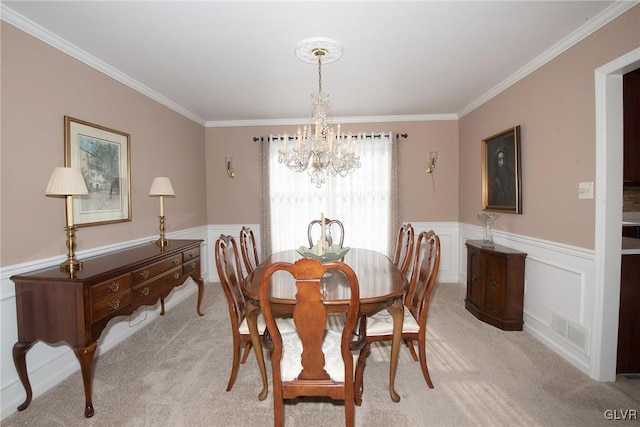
point(293, 137)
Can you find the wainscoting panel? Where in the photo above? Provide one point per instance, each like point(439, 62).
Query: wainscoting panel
point(50, 364)
point(559, 287)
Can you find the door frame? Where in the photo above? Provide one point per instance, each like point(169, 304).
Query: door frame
point(608, 200)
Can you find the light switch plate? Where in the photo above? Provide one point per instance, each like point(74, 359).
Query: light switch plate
point(585, 190)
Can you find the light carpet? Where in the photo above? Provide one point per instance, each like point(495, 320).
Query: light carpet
point(174, 373)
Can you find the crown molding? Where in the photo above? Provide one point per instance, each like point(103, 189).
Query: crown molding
point(600, 20)
point(30, 27)
point(41, 33)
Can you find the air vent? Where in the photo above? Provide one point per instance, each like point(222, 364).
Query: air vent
point(573, 332)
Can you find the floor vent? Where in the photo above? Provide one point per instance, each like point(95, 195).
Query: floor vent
point(574, 333)
point(632, 376)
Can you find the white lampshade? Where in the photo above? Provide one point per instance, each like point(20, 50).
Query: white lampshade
point(66, 182)
point(161, 186)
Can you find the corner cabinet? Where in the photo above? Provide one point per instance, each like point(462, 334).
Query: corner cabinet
point(495, 285)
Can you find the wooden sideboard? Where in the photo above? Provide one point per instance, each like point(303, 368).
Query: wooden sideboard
point(495, 285)
point(54, 306)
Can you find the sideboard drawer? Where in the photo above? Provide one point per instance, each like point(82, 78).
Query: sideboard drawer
point(110, 305)
point(191, 254)
point(150, 271)
point(190, 266)
point(110, 287)
point(148, 293)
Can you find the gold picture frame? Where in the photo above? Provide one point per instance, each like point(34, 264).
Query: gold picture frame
point(104, 157)
point(501, 172)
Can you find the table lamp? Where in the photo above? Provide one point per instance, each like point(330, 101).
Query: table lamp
point(161, 187)
point(68, 182)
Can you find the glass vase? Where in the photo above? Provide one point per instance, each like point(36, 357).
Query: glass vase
point(488, 222)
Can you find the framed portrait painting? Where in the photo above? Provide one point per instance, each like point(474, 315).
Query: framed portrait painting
point(103, 156)
point(501, 172)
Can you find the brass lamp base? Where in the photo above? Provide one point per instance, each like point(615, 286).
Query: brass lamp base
point(162, 241)
point(71, 264)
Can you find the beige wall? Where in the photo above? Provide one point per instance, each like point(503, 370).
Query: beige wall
point(40, 85)
point(555, 107)
point(237, 201)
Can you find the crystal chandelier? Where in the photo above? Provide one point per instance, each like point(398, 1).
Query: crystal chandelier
point(317, 148)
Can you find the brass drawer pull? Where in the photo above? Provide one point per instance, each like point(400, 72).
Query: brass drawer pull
point(176, 261)
point(176, 275)
point(493, 283)
point(145, 291)
point(144, 274)
point(192, 254)
point(115, 304)
point(114, 287)
point(474, 277)
point(193, 265)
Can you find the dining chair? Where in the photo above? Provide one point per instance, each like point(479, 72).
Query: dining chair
point(313, 360)
point(404, 249)
point(331, 227)
point(249, 249)
point(416, 308)
point(228, 265)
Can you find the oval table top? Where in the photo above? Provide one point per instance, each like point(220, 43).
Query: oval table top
point(380, 280)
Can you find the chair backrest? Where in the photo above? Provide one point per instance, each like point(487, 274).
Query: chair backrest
point(404, 248)
point(228, 265)
point(249, 249)
point(331, 229)
point(310, 317)
point(424, 275)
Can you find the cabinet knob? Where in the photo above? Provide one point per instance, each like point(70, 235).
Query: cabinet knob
point(474, 277)
point(193, 265)
point(115, 304)
point(493, 283)
point(192, 254)
point(176, 261)
point(144, 274)
point(145, 291)
point(176, 275)
point(114, 286)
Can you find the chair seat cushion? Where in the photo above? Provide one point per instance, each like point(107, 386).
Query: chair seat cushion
point(381, 323)
point(284, 325)
point(291, 363)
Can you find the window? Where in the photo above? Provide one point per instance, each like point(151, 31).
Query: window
point(365, 200)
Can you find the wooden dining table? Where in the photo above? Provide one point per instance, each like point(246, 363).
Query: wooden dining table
point(382, 286)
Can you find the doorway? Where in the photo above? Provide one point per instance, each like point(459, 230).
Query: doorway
point(608, 236)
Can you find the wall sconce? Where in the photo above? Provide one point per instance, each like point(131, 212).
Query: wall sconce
point(228, 162)
point(161, 187)
point(433, 159)
point(68, 182)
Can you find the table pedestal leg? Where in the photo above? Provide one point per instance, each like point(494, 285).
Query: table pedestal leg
point(397, 311)
point(252, 322)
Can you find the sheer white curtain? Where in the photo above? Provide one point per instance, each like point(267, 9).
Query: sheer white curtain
point(365, 200)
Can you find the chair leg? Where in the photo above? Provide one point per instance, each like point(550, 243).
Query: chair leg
point(359, 378)
point(409, 344)
point(349, 413)
point(235, 365)
point(423, 359)
point(245, 355)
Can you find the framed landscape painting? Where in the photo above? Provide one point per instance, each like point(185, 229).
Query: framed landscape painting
point(103, 156)
point(501, 172)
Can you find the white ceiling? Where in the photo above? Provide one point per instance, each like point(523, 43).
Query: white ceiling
point(233, 63)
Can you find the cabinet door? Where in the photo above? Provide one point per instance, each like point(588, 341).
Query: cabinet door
point(494, 284)
point(474, 287)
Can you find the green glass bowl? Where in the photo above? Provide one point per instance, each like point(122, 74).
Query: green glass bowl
point(334, 253)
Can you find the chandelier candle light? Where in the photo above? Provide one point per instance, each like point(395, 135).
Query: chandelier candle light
point(317, 147)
